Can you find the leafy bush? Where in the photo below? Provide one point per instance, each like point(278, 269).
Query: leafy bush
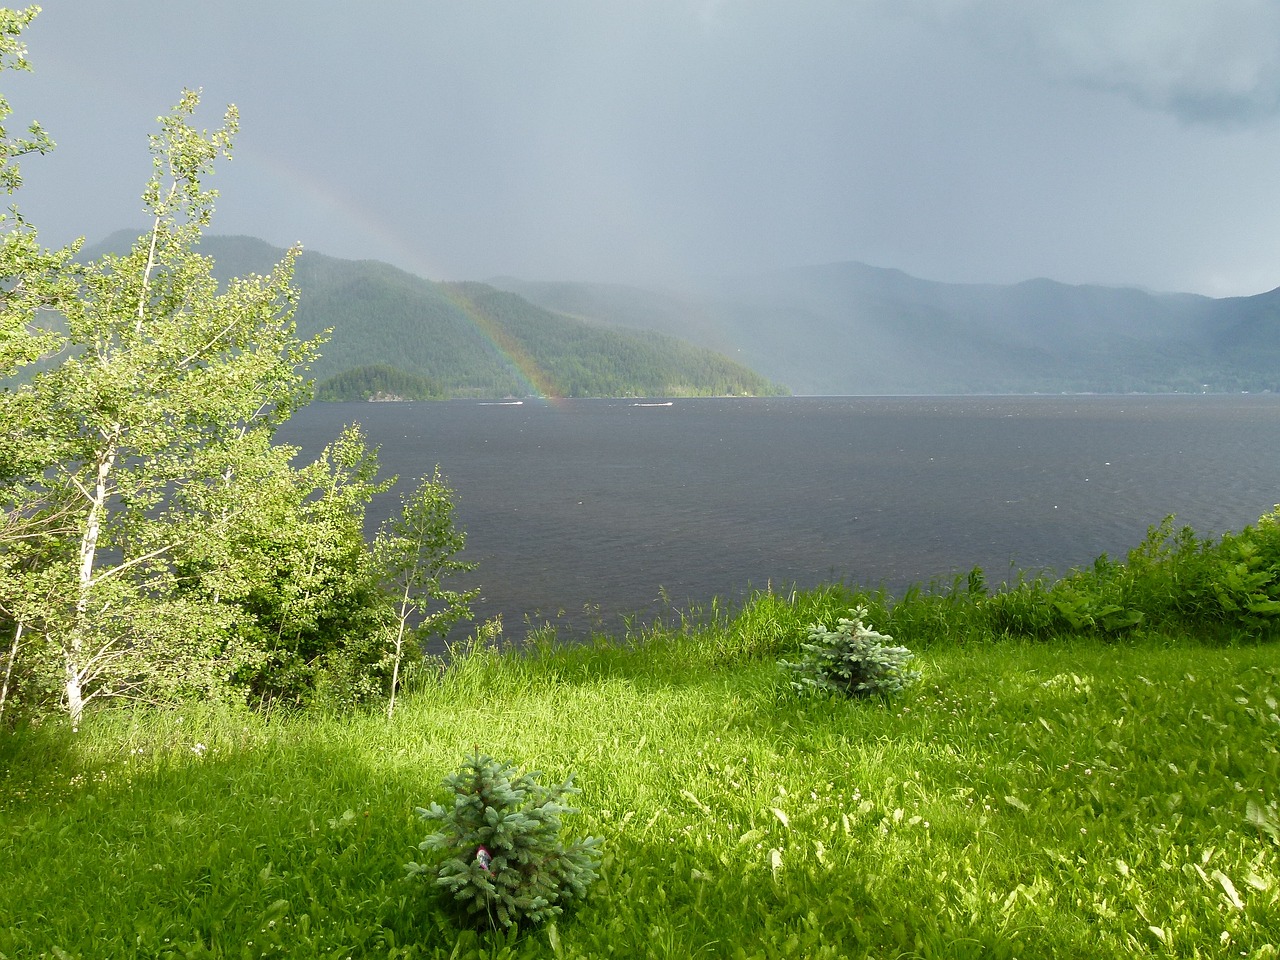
point(502, 858)
point(1228, 589)
point(852, 660)
point(1246, 580)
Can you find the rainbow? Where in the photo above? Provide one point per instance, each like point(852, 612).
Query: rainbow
point(533, 376)
point(324, 195)
point(316, 194)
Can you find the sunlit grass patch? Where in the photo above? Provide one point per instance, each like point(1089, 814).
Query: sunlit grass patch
point(1074, 798)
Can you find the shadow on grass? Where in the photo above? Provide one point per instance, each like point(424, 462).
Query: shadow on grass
point(36, 762)
point(201, 849)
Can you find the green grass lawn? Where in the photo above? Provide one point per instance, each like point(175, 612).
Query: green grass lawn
point(1072, 798)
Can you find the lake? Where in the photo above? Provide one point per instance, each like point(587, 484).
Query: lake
point(581, 512)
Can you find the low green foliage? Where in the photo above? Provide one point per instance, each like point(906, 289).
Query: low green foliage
point(1224, 590)
point(1227, 589)
point(852, 660)
point(1082, 798)
point(501, 857)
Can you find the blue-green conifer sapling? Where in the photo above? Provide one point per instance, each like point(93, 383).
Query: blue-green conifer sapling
point(852, 660)
point(498, 847)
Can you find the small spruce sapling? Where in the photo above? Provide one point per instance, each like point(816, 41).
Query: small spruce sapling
point(501, 856)
point(852, 660)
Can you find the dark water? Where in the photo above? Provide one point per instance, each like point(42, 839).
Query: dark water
point(586, 510)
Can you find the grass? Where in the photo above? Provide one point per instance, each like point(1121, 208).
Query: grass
point(1074, 798)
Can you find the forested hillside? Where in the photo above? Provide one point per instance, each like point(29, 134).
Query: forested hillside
point(468, 339)
point(594, 360)
point(378, 381)
point(842, 328)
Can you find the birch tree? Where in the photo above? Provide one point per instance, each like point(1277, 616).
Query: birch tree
point(166, 385)
point(32, 279)
point(153, 538)
point(416, 551)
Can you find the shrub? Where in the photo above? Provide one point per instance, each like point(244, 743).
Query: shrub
point(501, 855)
point(1246, 580)
point(852, 660)
point(1229, 587)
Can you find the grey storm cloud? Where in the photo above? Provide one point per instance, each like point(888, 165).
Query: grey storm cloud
point(1100, 141)
point(1203, 61)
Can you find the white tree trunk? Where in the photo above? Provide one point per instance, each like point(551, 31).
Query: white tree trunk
point(75, 694)
point(74, 649)
point(8, 666)
point(399, 651)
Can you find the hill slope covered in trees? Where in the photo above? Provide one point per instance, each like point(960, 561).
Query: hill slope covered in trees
point(469, 339)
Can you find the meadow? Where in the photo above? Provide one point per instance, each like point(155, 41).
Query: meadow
point(1085, 796)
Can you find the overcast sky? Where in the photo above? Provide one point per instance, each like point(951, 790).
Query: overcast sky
point(1125, 142)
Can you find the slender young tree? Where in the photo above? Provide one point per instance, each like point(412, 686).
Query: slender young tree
point(153, 539)
point(166, 385)
point(416, 551)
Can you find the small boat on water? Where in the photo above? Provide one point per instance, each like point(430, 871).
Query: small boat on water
point(665, 403)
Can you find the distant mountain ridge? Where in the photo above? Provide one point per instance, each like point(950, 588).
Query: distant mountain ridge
point(466, 339)
point(850, 328)
point(833, 329)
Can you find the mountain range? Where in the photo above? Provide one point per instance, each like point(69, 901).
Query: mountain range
point(849, 328)
point(841, 328)
point(388, 326)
